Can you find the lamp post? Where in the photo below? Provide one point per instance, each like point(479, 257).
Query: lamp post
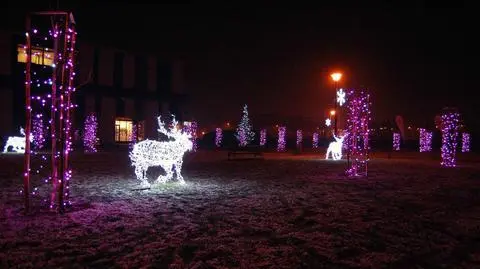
point(336, 77)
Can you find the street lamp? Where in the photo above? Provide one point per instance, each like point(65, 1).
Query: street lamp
point(336, 77)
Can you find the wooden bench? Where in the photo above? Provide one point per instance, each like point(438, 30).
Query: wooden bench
point(253, 151)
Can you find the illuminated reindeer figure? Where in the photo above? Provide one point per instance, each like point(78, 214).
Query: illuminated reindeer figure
point(335, 148)
point(17, 142)
point(166, 154)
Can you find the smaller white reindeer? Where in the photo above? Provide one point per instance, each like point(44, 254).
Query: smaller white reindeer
point(166, 154)
point(335, 148)
point(17, 142)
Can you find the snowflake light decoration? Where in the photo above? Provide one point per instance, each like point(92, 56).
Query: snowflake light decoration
point(450, 125)
point(341, 97)
point(328, 122)
point(335, 148)
point(17, 142)
point(282, 130)
point(396, 141)
point(465, 142)
point(166, 154)
point(263, 137)
point(315, 140)
point(218, 137)
point(425, 142)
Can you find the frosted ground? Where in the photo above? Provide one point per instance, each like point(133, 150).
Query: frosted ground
point(286, 211)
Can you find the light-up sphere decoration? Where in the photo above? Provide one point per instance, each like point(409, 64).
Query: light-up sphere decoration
point(90, 139)
point(357, 143)
point(282, 131)
point(335, 148)
point(17, 142)
point(166, 154)
point(396, 141)
point(341, 97)
point(218, 137)
point(315, 140)
point(328, 122)
point(465, 142)
point(38, 131)
point(299, 138)
point(244, 133)
point(450, 125)
point(263, 137)
point(425, 142)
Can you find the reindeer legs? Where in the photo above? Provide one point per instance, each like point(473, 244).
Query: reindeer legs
point(169, 170)
point(140, 173)
point(178, 170)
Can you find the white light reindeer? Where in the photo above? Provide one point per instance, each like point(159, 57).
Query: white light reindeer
point(335, 148)
point(166, 154)
point(17, 142)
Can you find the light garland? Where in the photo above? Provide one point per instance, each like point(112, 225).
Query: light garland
point(328, 122)
point(335, 148)
point(425, 140)
point(358, 117)
point(218, 137)
point(396, 141)
point(90, 139)
point(59, 60)
point(450, 125)
point(299, 138)
point(315, 140)
point(263, 137)
point(465, 142)
point(166, 154)
point(282, 130)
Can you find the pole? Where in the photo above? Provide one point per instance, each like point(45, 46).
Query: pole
point(53, 120)
point(335, 102)
point(62, 128)
point(28, 118)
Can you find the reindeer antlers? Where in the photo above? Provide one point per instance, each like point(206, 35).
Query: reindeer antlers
point(171, 132)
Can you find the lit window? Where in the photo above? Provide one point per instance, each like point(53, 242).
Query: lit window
point(41, 56)
point(123, 130)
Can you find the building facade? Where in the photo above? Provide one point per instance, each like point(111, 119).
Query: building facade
point(122, 89)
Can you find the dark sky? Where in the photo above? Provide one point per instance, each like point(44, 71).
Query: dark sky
point(278, 59)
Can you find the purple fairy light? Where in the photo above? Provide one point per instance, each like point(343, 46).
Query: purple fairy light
point(396, 141)
point(90, 134)
point(465, 142)
point(281, 138)
point(358, 117)
point(218, 137)
point(450, 121)
point(263, 137)
point(315, 140)
point(425, 142)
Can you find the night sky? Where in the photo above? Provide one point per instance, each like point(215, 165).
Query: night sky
point(278, 59)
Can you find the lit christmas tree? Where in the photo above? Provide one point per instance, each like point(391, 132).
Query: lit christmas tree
point(244, 132)
point(90, 134)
